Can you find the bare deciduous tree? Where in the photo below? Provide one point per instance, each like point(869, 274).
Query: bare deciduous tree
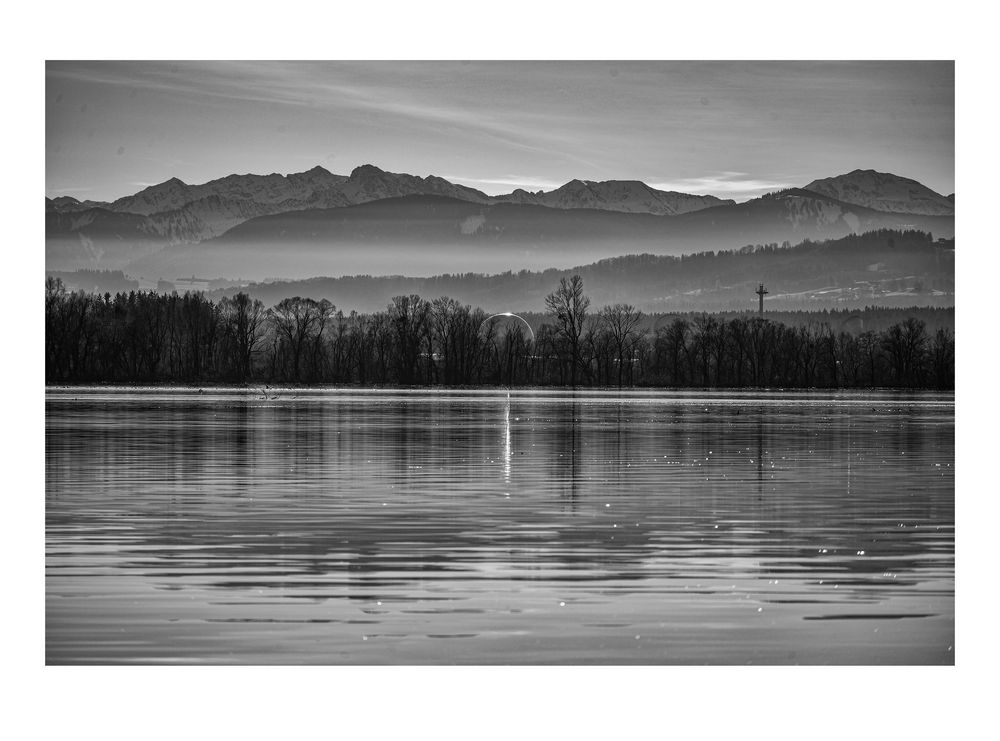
point(622, 321)
point(569, 307)
point(296, 321)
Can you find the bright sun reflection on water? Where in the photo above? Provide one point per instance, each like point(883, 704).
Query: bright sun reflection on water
point(506, 441)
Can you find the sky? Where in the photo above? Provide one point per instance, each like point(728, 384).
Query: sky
point(731, 129)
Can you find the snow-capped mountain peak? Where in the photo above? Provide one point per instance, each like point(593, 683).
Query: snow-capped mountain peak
point(629, 196)
point(884, 191)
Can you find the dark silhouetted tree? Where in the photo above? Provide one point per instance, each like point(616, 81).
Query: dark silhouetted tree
point(568, 306)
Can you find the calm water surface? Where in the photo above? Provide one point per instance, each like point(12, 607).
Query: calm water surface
point(395, 527)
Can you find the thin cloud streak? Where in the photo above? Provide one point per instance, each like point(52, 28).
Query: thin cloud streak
point(510, 182)
point(281, 84)
point(284, 89)
point(69, 190)
point(725, 184)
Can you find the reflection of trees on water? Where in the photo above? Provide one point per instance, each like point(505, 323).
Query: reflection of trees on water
point(760, 454)
point(241, 443)
point(296, 491)
point(857, 509)
point(566, 435)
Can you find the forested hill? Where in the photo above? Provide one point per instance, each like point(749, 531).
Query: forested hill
point(885, 268)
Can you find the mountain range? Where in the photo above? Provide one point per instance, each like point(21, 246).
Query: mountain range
point(376, 221)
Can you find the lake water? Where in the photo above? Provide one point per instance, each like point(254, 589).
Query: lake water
point(487, 527)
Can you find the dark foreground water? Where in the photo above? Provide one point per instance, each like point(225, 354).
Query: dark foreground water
point(479, 527)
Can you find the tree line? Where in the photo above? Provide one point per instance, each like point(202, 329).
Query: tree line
point(145, 337)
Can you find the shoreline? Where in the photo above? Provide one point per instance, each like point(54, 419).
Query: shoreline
point(490, 388)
